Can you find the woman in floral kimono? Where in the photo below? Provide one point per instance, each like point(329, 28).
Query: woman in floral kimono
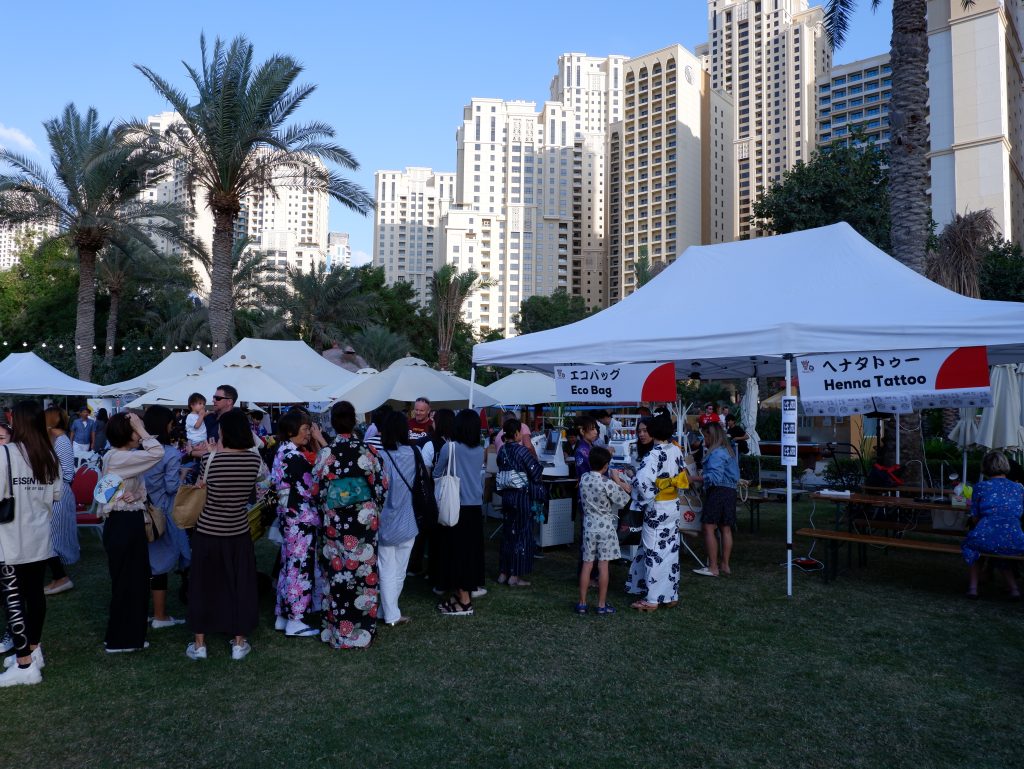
point(654, 573)
point(352, 490)
point(519, 482)
point(300, 584)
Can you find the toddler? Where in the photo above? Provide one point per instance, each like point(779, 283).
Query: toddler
point(195, 427)
point(602, 498)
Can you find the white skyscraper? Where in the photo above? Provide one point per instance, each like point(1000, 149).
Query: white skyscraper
point(855, 98)
point(407, 227)
point(768, 54)
point(14, 238)
point(339, 251)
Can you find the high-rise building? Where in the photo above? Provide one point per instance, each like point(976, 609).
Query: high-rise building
point(669, 165)
point(287, 220)
point(768, 54)
point(512, 217)
point(15, 238)
point(339, 251)
point(408, 222)
point(855, 98)
point(976, 103)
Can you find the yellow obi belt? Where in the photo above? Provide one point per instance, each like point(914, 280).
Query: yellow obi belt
point(668, 487)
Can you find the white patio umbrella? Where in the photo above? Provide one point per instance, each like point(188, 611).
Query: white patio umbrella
point(404, 381)
point(1001, 422)
point(748, 414)
point(523, 387)
point(254, 385)
point(965, 434)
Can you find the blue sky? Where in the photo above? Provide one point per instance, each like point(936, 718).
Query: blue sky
point(392, 76)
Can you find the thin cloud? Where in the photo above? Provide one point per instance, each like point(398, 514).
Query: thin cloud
point(359, 258)
point(12, 138)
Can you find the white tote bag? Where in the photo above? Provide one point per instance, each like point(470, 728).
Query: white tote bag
point(446, 491)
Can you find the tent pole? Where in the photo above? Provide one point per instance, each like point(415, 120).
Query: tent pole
point(789, 493)
point(472, 384)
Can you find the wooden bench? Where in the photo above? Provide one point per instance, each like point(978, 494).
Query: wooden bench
point(899, 527)
point(835, 538)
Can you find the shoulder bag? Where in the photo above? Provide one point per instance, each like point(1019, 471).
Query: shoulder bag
point(156, 521)
point(424, 505)
point(7, 503)
point(506, 480)
point(446, 492)
point(190, 500)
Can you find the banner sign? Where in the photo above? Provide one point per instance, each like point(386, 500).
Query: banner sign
point(789, 453)
point(894, 381)
point(627, 382)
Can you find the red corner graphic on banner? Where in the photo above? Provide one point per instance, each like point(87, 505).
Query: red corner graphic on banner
point(965, 367)
point(660, 385)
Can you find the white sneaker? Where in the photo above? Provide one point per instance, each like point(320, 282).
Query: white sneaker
point(280, 623)
point(6, 643)
point(37, 657)
point(61, 588)
point(194, 652)
point(705, 572)
point(480, 591)
point(169, 622)
point(298, 629)
point(238, 651)
point(145, 645)
point(15, 676)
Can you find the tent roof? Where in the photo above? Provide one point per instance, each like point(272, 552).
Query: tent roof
point(25, 373)
point(174, 366)
point(254, 384)
point(817, 291)
point(291, 362)
point(524, 387)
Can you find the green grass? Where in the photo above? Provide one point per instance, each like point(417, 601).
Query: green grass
point(887, 667)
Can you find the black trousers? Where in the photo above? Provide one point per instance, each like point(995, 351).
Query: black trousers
point(124, 539)
point(21, 590)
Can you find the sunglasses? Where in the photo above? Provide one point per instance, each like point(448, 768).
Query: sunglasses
point(221, 398)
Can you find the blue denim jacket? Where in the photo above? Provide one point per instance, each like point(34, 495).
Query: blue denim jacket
point(720, 469)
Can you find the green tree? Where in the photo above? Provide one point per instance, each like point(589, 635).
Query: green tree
point(449, 289)
point(93, 198)
point(322, 306)
point(1002, 272)
point(839, 184)
point(37, 297)
point(379, 346)
point(961, 250)
point(539, 313)
point(908, 117)
point(234, 140)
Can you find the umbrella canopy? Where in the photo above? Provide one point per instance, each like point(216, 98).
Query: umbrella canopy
point(524, 387)
point(254, 385)
point(173, 367)
point(965, 432)
point(25, 373)
point(406, 380)
point(748, 413)
point(288, 361)
point(1001, 422)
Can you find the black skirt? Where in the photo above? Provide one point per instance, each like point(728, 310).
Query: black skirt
point(719, 507)
point(461, 550)
point(222, 596)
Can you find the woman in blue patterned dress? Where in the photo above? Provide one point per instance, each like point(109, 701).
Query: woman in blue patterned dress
point(64, 524)
point(996, 506)
point(654, 573)
point(352, 489)
point(515, 559)
point(300, 585)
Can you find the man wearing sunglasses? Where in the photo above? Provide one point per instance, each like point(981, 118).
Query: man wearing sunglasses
point(223, 401)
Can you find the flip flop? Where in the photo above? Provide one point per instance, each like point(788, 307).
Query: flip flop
point(643, 606)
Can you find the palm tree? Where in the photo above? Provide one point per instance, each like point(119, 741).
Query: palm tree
point(961, 250)
point(322, 305)
point(93, 198)
point(448, 291)
point(115, 269)
point(908, 117)
point(380, 347)
point(234, 141)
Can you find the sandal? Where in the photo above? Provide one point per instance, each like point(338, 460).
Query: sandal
point(606, 609)
point(643, 606)
point(453, 608)
point(517, 582)
point(670, 604)
point(581, 608)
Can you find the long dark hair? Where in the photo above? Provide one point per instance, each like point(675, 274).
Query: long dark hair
point(444, 429)
point(467, 428)
point(157, 421)
point(394, 433)
point(29, 429)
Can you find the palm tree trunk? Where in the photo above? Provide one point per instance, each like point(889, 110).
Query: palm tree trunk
point(85, 317)
point(221, 321)
point(909, 204)
point(115, 310)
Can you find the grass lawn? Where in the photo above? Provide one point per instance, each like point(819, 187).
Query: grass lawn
point(887, 667)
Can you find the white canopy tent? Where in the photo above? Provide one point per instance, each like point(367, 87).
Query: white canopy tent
point(818, 291)
point(404, 381)
point(253, 382)
point(522, 387)
point(25, 373)
point(173, 367)
point(292, 362)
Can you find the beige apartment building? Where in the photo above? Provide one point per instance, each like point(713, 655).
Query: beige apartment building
point(287, 221)
point(855, 98)
point(15, 238)
point(768, 54)
point(669, 165)
point(408, 225)
point(976, 100)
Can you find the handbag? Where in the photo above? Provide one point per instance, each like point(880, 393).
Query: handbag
point(631, 525)
point(511, 479)
point(155, 520)
point(190, 500)
point(446, 492)
point(424, 505)
point(343, 492)
point(7, 503)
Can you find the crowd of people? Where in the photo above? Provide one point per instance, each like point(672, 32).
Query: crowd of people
point(354, 514)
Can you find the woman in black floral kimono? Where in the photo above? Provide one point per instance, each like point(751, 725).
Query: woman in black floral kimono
point(519, 481)
point(352, 488)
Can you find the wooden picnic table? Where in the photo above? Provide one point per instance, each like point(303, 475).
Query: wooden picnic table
point(909, 490)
